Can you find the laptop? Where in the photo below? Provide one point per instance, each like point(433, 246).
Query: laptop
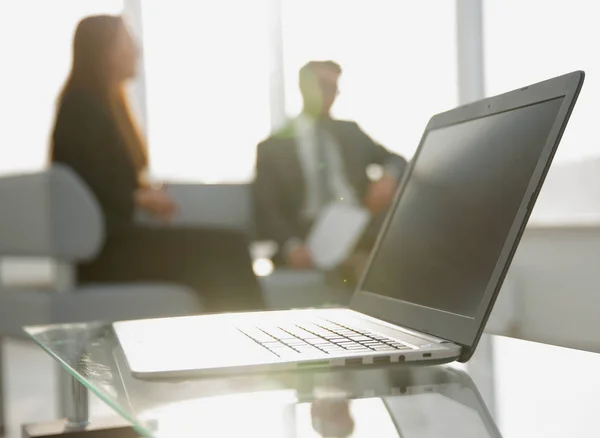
point(436, 269)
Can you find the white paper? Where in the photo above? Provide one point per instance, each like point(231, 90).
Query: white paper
point(335, 233)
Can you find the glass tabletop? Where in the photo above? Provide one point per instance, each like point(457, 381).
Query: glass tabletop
point(537, 390)
point(385, 402)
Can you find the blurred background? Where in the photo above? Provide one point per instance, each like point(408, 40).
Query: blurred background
point(218, 77)
point(206, 68)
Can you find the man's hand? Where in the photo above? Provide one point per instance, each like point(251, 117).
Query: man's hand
point(381, 194)
point(299, 257)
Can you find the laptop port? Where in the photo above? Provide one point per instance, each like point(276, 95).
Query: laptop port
point(381, 359)
point(354, 361)
point(426, 354)
point(401, 358)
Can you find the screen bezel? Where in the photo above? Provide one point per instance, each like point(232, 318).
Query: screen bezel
point(460, 329)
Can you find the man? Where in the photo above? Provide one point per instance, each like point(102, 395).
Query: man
point(314, 160)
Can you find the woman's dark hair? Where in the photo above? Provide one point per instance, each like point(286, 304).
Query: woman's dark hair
point(92, 71)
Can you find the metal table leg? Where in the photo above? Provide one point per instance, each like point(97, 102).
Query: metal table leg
point(74, 403)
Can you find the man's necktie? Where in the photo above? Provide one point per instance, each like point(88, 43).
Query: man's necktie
point(323, 164)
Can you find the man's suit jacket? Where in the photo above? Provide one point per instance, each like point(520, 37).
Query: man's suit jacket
point(279, 187)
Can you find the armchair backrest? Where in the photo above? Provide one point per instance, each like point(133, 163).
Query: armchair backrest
point(227, 206)
point(51, 213)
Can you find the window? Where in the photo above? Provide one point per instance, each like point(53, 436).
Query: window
point(35, 46)
point(207, 78)
point(546, 39)
point(398, 61)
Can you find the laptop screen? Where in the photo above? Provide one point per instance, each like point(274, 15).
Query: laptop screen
point(448, 229)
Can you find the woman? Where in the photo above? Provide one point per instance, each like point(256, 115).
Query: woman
point(96, 136)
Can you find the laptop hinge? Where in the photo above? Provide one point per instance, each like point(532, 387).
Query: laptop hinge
point(415, 333)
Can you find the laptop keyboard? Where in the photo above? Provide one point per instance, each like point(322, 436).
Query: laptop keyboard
point(325, 336)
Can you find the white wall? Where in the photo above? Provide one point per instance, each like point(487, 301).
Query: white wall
point(570, 195)
point(552, 291)
point(554, 288)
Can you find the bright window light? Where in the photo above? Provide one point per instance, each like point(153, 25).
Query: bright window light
point(530, 41)
point(35, 46)
point(207, 67)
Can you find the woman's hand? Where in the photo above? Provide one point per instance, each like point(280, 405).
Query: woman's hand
point(156, 202)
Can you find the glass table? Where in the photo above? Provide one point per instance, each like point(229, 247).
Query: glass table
point(396, 402)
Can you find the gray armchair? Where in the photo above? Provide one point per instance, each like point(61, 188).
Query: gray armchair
point(52, 214)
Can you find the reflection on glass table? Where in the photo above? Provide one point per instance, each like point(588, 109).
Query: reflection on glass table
point(385, 402)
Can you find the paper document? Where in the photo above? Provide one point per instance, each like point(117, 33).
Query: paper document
point(335, 233)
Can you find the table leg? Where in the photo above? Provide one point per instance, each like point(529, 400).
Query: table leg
point(74, 401)
point(73, 405)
